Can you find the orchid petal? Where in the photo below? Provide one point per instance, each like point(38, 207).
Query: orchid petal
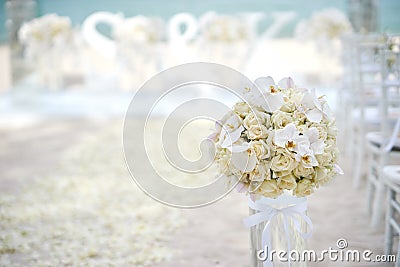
point(312, 134)
point(337, 169)
point(283, 135)
point(263, 83)
point(273, 102)
point(318, 147)
point(314, 115)
point(230, 138)
point(286, 83)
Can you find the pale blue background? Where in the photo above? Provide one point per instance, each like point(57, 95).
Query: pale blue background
point(78, 10)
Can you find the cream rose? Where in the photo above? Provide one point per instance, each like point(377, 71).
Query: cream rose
point(242, 109)
point(270, 189)
point(322, 130)
point(283, 163)
point(324, 159)
point(261, 149)
point(287, 182)
point(280, 119)
point(260, 173)
point(304, 188)
point(224, 159)
point(256, 117)
point(323, 175)
point(257, 132)
point(302, 172)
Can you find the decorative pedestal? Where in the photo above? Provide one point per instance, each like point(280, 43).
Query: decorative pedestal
point(283, 227)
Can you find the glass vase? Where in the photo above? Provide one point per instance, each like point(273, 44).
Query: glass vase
point(279, 237)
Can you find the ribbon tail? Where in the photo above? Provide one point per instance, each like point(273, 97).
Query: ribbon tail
point(267, 244)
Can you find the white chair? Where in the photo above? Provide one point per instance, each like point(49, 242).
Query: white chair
point(384, 145)
point(392, 225)
point(362, 93)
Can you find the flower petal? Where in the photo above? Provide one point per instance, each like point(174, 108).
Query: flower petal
point(318, 147)
point(227, 139)
point(314, 115)
point(273, 102)
point(286, 83)
point(337, 169)
point(263, 83)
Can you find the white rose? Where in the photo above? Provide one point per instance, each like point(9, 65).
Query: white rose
point(302, 172)
point(287, 182)
point(330, 145)
point(257, 132)
point(304, 188)
point(324, 159)
point(332, 130)
point(260, 173)
point(224, 159)
point(280, 119)
point(283, 163)
point(323, 175)
point(242, 109)
point(256, 117)
point(322, 130)
point(299, 118)
point(261, 149)
point(270, 189)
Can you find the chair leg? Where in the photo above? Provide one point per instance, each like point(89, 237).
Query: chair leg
point(359, 151)
point(370, 183)
point(388, 227)
point(370, 197)
point(377, 212)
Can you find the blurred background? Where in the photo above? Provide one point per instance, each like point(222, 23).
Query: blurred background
point(69, 69)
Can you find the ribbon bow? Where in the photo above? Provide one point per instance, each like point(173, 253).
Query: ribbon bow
point(266, 212)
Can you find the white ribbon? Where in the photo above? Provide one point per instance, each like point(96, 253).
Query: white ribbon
point(266, 212)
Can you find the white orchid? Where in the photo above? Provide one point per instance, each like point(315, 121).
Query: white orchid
point(314, 108)
point(306, 158)
point(317, 145)
point(291, 139)
point(231, 131)
point(268, 95)
point(243, 157)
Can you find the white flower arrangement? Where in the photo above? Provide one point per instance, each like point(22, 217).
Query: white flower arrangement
point(140, 29)
point(223, 28)
point(327, 24)
point(283, 138)
point(45, 32)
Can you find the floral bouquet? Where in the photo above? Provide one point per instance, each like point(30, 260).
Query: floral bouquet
point(327, 24)
point(278, 145)
point(282, 138)
point(46, 32)
point(225, 39)
point(223, 28)
point(140, 30)
point(46, 40)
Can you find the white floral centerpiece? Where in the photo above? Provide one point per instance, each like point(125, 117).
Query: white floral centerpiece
point(45, 40)
point(223, 28)
point(327, 24)
point(44, 33)
point(141, 30)
point(279, 145)
point(283, 138)
point(225, 39)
